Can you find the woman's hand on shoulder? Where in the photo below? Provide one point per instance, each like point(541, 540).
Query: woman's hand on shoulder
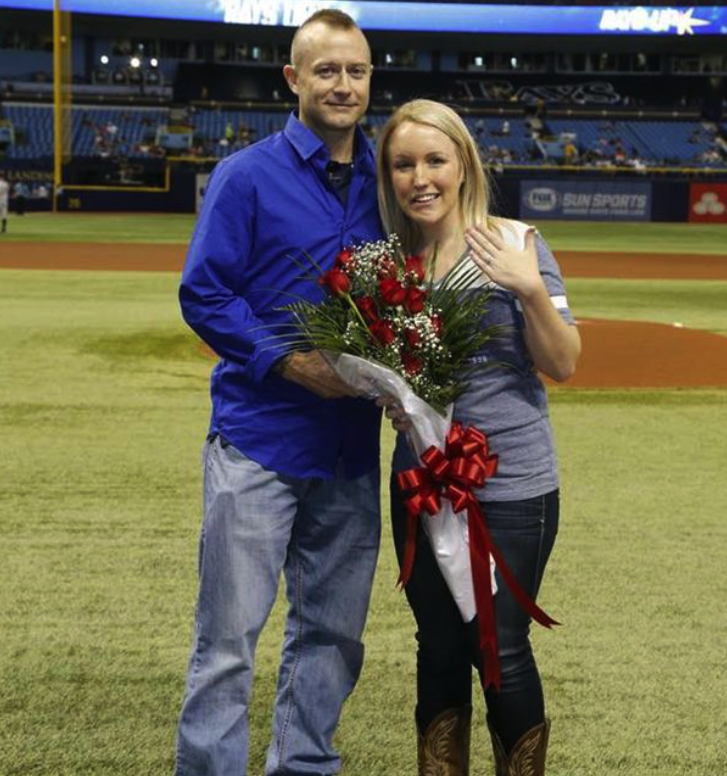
point(509, 267)
point(553, 344)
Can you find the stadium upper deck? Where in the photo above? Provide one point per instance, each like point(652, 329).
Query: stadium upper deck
point(146, 90)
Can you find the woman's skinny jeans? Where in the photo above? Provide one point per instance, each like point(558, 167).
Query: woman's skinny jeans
point(524, 531)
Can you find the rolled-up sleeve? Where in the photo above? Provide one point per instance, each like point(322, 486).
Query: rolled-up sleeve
point(553, 279)
point(213, 282)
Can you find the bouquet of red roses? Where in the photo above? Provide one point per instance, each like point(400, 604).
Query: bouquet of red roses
point(388, 330)
point(382, 308)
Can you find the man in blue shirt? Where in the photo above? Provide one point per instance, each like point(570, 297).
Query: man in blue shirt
point(291, 477)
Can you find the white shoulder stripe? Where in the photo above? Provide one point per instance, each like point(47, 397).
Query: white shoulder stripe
point(559, 302)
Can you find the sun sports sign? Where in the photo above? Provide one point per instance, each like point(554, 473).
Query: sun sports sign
point(585, 200)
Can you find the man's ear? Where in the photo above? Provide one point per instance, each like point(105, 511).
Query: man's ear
point(291, 76)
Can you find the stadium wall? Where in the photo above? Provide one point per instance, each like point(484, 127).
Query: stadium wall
point(593, 198)
point(527, 196)
point(179, 197)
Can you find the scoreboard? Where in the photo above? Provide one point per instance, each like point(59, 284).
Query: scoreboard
point(421, 17)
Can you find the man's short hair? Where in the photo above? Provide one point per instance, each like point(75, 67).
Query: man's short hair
point(331, 17)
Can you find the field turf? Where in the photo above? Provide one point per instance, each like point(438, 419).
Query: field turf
point(104, 405)
point(176, 228)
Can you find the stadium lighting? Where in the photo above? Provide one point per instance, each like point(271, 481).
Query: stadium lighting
point(104, 60)
point(135, 62)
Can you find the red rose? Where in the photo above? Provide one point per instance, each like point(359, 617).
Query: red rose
point(383, 332)
point(392, 292)
point(367, 306)
point(336, 282)
point(414, 301)
point(343, 258)
point(437, 325)
point(413, 338)
point(412, 364)
point(414, 265)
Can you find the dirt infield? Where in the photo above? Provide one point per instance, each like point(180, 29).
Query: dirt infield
point(634, 266)
point(634, 354)
point(616, 354)
point(128, 257)
point(165, 257)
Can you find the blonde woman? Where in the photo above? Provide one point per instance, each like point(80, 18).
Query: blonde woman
point(433, 193)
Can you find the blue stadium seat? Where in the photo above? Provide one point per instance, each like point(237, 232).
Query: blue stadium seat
point(666, 143)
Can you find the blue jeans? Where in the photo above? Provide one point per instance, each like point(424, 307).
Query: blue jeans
point(524, 531)
point(323, 535)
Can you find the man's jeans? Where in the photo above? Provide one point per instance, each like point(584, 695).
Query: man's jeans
point(324, 536)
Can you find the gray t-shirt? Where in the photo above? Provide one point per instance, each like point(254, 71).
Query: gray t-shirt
point(509, 404)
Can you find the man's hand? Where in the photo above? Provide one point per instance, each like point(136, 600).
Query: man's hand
point(313, 372)
point(394, 412)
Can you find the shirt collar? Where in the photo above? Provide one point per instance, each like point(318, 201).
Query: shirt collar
point(308, 144)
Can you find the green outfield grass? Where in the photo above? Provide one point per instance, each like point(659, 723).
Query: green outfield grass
point(100, 227)
point(619, 237)
point(695, 303)
point(104, 405)
point(562, 235)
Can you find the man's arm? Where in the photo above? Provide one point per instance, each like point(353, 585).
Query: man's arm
point(216, 262)
point(313, 372)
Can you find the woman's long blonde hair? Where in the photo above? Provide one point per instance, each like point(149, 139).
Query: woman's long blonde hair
point(474, 194)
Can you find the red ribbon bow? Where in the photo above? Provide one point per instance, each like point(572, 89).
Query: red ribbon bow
point(465, 464)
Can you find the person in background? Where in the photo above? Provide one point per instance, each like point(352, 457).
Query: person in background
point(291, 464)
point(433, 193)
point(20, 195)
point(4, 197)
point(229, 132)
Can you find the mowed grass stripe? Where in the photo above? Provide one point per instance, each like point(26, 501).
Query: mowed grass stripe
point(616, 237)
point(626, 237)
point(152, 228)
point(695, 304)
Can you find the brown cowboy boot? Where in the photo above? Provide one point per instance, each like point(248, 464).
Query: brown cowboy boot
point(444, 750)
point(527, 757)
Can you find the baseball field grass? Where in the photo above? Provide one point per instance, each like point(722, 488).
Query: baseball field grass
point(176, 228)
point(102, 227)
point(104, 405)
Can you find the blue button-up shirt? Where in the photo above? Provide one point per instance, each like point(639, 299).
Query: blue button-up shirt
point(264, 206)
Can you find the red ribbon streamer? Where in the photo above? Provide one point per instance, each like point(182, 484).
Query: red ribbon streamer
point(465, 464)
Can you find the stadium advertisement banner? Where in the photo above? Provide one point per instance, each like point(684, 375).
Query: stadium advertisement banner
point(585, 200)
point(421, 17)
point(708, 203)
